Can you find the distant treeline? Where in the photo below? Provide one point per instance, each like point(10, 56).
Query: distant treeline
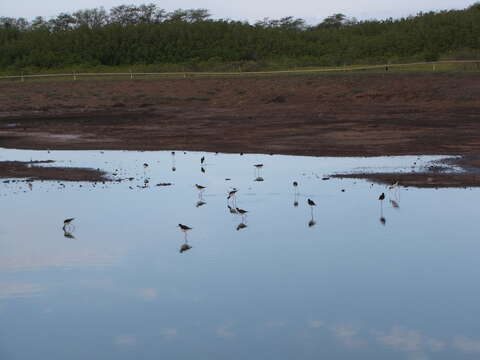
point(146, 35)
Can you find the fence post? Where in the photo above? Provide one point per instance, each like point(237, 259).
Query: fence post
point(74, 76)
point(131, 74)
point(23, 77)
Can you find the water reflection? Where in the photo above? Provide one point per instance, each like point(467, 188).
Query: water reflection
point(200, 203)
point(218, 298)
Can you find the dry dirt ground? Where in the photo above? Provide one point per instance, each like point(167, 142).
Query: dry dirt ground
point(317, 115)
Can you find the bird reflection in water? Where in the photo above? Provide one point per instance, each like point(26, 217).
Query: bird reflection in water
point(200, 203)
point(68, 234)
point(394, 204)
point(383, 221)
point(232, 210)
point(185, 247)
point(241, 226)
point(259, 179)
point(202, 169)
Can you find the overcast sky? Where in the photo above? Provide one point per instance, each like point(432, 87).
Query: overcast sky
point(251, 10)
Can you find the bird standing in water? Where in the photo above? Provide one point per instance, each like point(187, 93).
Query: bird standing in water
point(184, 229)
point(311, 202)
point(381, 197)
point(202, 160)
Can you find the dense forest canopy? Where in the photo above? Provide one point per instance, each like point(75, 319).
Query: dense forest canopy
point(144, 35)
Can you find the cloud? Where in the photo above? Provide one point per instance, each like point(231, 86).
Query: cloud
point(8, 291)
point(169, 332)
point(224, 331)
point(409, 340)
point(401, 339)
point(148, 294)
point(125, 340)
point(315, 324)
point(347, 334)
point(467, 345)
point(275, 323)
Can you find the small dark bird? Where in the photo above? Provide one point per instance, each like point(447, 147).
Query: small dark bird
point(173, 152)
point(145, 165)
point(232, 193)
point(295, 184)
point(68, 221)
point(311, 223)
point(184, 248)
point(200, 187)
point(383, 220)
point(184, 228)
point(260, 179)
point(311, 202)
point(241, 212)
point(258, 166)
point(202, 169)
point(202, 160)
point(395, 185)
point(381, 197)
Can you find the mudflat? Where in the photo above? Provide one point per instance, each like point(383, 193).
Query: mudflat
point(316, 115)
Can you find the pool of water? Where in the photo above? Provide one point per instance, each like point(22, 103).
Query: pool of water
point(352, 278)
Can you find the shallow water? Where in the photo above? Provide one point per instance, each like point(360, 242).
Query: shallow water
point(348, 286)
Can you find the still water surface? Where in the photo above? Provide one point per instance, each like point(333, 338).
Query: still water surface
point(335, 283)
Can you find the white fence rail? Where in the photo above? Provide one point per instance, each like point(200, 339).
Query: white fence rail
point(132, 75)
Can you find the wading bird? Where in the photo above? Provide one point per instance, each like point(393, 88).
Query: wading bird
point(395, 185)
point(241, 212)
point(232, 193)
point(202, 160)
point(184, 229)
point(200, 187)
point(68, 221)
point(311, 202)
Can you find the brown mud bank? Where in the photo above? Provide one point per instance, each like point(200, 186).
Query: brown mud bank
point(459, 172)
point(314, 115)
point(33, 170)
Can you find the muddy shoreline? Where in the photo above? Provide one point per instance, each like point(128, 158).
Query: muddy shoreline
point(316, 115)
point(33, 170)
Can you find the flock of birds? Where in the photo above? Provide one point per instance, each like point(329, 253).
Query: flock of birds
point(68, 226)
